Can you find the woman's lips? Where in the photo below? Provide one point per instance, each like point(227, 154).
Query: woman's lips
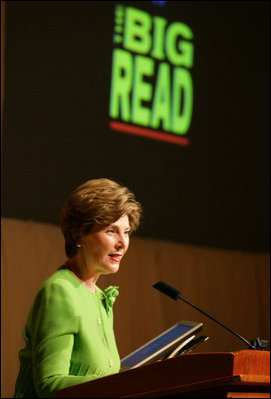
point(115, 257)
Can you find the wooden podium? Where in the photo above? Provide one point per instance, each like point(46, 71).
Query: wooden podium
point(242, 374)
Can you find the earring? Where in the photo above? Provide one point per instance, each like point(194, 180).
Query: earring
point(78, 245)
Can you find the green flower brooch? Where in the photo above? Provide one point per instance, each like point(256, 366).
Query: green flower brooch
point(110, 295)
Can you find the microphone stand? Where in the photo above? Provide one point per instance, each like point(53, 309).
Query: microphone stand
point(222, 325)
point(255, 344)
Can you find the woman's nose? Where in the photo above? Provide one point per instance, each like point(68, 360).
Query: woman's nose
point(121, 243)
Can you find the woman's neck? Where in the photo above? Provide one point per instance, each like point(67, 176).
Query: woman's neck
point(84, 274)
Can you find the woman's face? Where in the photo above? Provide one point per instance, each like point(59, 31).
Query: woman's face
point(104, 247)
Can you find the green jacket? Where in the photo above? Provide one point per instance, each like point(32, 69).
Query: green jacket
point(69, 337)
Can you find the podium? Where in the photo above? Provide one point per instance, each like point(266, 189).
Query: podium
point(241, 374)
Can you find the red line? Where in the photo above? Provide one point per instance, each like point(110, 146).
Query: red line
point(152, 134)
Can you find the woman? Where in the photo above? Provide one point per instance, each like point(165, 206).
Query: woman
point(69, 337)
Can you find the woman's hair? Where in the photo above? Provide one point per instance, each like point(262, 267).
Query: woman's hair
point(97, 201)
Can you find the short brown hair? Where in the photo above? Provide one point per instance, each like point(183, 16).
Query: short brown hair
point(97, 201)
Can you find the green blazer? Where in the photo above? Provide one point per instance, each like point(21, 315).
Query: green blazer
point(69, 337)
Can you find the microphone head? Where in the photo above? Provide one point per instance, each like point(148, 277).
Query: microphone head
point(167, 290)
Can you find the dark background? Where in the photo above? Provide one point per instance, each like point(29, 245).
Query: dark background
point(56, 114)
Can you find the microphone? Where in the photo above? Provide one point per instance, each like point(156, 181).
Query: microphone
point(256, 343)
